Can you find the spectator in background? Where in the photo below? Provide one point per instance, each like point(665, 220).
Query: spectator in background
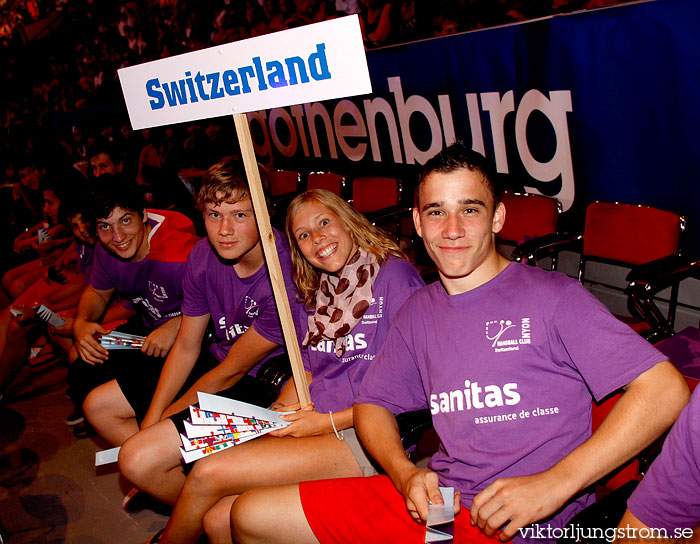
point(377, 20)
point(47, 239)
point(347, 7)
point(105, 158)
point(45, 284)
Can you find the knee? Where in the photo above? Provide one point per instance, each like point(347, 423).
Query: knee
point(244, 518)
point(16, 288)
point(95, 405)
point(135, 461)
point(7, 280)
point(216, 523)
point(15, 330)
point(204, 479)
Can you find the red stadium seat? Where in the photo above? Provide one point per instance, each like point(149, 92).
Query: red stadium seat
point(329, 181)
point(529, 217)
point(379, 199)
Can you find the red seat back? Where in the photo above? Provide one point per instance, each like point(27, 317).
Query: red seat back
point(327, 181)
point(630, 233)
point(283, 182)
point(528, 216)
point(370, 194)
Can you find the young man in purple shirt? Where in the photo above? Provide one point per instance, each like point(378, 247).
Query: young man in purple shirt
point(506, 357)
point(141, 256)
point(226, 282)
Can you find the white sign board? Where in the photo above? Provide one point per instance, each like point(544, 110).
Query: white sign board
point(306, 64)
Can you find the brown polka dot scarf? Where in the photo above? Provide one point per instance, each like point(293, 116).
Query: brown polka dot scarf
point(341, 301)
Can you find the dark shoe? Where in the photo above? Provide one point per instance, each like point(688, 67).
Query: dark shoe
point(83, 430)
point(136, 500)
point(75, 417)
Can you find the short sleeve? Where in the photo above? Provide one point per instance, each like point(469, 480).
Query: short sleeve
point(194, 298)
point(580, 319)
point(267, 323)
point(393, 380)
point(404, 281)
point(100, 278)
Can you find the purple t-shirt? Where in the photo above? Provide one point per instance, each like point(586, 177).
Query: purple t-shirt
point(669, 495)
point(153, 285)
point(235, 304)
point(335, 381)
point(506, 370)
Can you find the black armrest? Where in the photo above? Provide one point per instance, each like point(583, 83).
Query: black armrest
point(645, 280)
point(547, 246)
point(275, 372)
point(412, 425)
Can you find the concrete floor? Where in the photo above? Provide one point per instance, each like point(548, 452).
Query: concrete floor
point(50, 490)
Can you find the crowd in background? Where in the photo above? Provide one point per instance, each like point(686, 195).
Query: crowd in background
point(61, 94)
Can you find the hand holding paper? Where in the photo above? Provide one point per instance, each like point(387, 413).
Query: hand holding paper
point(305, 422)
point(220, 423)
point(420, 488)
point(439, 526)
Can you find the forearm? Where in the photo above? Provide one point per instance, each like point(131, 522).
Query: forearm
point(648, 407)
point(242, 356)
point(92, 305)
point(58, 230)
point(246, 352)
point(206, 384)
point(384, 26)
point(379, 432)
point(216, 380)
point(177, 368)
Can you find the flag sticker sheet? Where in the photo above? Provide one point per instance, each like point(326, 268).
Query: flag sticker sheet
point(219, 423)
point(121, 340)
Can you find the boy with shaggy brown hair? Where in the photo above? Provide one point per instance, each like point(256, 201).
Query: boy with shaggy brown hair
point(226, 282)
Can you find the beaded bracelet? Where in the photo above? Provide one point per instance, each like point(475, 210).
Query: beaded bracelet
point(338, 435)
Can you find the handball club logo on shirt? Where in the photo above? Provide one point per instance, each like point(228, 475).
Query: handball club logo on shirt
point(369, 319)
point(157, 291)
point(507, 335)
point(252, 309)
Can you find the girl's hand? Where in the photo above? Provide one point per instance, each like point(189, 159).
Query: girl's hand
point(305, 422)
point(279, 407)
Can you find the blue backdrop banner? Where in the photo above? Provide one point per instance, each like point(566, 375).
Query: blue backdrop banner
point(597, 105)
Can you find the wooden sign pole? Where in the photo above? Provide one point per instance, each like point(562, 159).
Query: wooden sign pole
point(267, 239)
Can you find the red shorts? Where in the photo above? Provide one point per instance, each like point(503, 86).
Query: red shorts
point(370, 510)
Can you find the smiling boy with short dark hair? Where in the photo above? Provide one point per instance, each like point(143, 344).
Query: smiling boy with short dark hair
point(141, 257)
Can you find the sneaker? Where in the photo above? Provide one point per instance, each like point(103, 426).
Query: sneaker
point(83, 430)
point(75, 417)
point(137, 500)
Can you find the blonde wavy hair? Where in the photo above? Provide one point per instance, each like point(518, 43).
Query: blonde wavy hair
point(364, 234)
